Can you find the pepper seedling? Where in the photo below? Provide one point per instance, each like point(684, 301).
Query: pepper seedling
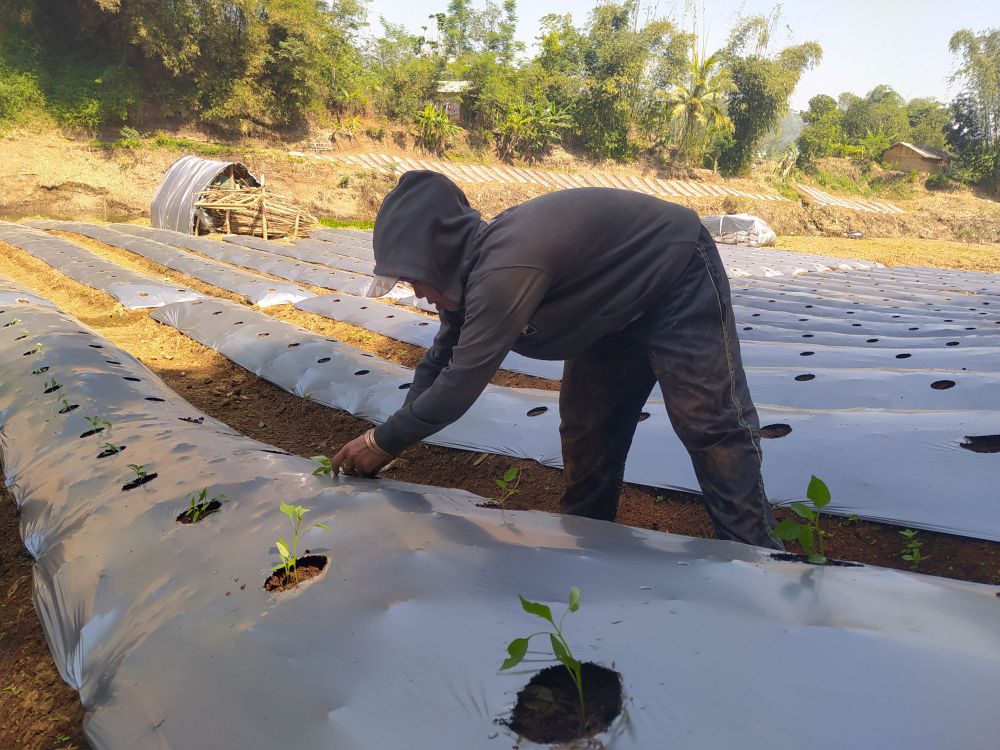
point(809, 535)
point(911, 552)
point(325, 468)
point(508, 484)
point(518, 647)
point(51, 386)
point(14, 322)
point(199, 505)
point(290, 555)
point(97, 424)
point(110, 449)
point(140, 472)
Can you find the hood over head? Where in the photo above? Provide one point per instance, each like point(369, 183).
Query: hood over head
point(422, 231)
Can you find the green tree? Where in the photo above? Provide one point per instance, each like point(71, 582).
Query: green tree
point(928, 120)
point(975, 128)
point(698, 105)
point(823, 134)
point(762, 87)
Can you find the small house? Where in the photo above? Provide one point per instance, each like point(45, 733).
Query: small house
point(448, 98)
point(908, 157)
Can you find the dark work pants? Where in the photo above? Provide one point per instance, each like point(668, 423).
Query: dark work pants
point(688, 343)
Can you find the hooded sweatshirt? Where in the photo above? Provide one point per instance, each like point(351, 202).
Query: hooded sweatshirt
point(546, 278)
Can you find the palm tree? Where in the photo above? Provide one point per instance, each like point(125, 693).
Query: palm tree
point(698, 104)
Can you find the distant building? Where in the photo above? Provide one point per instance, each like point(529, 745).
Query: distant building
point(910, 158)
point(448, 98)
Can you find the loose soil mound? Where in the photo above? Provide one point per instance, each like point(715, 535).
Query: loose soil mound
point(306, 568)
point(548, 707)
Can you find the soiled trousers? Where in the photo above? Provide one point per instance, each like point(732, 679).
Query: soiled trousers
point(689, 345)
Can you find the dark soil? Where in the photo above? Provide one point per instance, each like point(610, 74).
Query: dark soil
point(982, 443)
point(68, 409)
point(139, 482)
point(789, 557)
point(38, 711)
point(307, 566)
point(548, 707)
point(88, 433)
point(204, 510)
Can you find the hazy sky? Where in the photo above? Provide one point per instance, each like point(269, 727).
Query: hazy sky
point(903, 43)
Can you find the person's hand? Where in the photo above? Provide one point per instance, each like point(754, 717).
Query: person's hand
point(358, 460)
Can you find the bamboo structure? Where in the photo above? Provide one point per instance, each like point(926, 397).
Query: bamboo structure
point(242, 209)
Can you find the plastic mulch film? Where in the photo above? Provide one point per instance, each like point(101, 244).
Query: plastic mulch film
point(256, 290)
point(173, 644)
point(889, 457)
point(399, 323)
point(11, 294)
point(133, 290)
point(314, 252)
point(173, 202)
point(263, 260)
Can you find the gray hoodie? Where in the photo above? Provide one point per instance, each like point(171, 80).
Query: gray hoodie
point(546, 279)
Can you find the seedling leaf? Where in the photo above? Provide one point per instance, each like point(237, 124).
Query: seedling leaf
point(282, 546)
point(516, 651)
point(510, 475)
point(536, 609)
point(818, 492)
point(803, 511)
point(788, 529)
point(321, 526)
point(574, 599)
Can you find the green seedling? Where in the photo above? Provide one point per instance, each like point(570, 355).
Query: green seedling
point(14, 322)
point(508, 484)
point(140, 471)
point(290, 555)
point(35, 349)
point(110, 449)
point(854, 518)
point(325, 468)
point(809, 534)
point(199, 502)
point(24, 334)
point(97, 423)
point(40, 370)
point(518, 647)
point(911, 552)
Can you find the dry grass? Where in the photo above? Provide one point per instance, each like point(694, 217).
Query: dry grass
point(894, 251)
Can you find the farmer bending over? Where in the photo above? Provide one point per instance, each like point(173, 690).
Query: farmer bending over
point(628, 289)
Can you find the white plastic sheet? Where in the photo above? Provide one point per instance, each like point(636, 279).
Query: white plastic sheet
point(133, 290)
point(173, 644)
point(896, 461)
point(173, 202)
point(258, 291)
point(740, 229)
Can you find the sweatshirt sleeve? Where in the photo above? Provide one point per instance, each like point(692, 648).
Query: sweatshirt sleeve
point(437, 357)
point(498, 306)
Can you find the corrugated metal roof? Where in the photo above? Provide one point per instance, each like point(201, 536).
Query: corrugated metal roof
point(925, 151)
point(452, 87)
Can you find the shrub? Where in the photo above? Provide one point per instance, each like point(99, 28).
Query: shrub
point(435, 130)
point(940, 182)
point(528, 130)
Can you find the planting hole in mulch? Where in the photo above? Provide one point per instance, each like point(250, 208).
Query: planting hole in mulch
point(40, 370)
point(805, 377)
point(108, 452)
point(67, 409)
point(155, 398)
point(192, 420)
point(982, 443)
point(88, 433)
point(307, 566)
point(537, 411)
point(548, 707)
point(942, 385)
point(771, 431)
point(205, 510)
point(138, 482)
point(790, 557)
point(52, 389)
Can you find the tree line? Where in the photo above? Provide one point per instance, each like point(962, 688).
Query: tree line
point(620, 85)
